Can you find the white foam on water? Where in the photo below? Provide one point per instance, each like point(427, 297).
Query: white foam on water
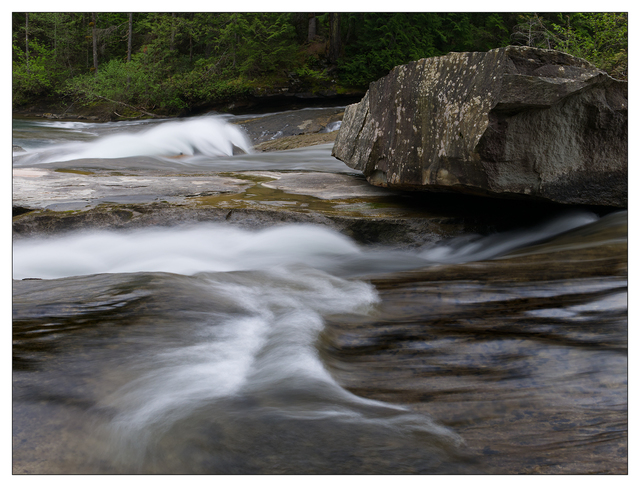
point(187, 377)
point(222, 248)
point(208, 136)
point(332, 127)
point(264, 347)
point(184, 250)
point(475, 247)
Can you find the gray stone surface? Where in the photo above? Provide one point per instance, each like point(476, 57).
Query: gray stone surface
point(325, 186)
point(510, 122)
point(265, 128)
point(48, 202)
point(37, 188)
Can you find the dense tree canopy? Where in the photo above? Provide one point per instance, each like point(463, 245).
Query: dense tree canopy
point(168, 61)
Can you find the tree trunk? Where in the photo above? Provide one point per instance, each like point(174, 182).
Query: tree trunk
point(130, 36)
point(191, 24)
point(349, 30)
point(94, 32)
point(26, 34)
point(234, 19)
point(86, 51)
point(55, 36)
point(129, 43)
point(313, 22)
point(334, 38)
point(153, 115)
point(173, 31)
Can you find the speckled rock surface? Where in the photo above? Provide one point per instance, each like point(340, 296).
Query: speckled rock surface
point(271, 127)
point(510, 122)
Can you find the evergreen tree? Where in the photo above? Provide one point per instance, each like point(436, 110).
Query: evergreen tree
point(172, 60)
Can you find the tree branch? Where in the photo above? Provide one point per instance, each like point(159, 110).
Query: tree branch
point(129, 106)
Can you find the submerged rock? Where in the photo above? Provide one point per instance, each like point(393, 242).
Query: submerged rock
point(296, 141)
point(511, 122)
point(274, 126)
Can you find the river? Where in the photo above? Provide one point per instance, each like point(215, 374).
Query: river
point(213, 349)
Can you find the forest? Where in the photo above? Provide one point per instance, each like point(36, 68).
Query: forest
point(165, 62)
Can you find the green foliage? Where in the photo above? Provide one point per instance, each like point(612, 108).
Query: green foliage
point(32, 75)
point(259, 43)
point(385, 40)
point(199, 86)
point(182, 59)
point(490, 30)
point(532, 31)
point(311, 75)
point(173, 68)
point(130, 83)
point(600, 38)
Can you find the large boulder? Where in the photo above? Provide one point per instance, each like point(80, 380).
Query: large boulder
point(511, 122)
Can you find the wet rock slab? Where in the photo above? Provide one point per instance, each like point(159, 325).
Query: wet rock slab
point(271, 127)
point(45, 189)
point(322, 185)
point(73, 190)
point(296, 141)
point(46, 201)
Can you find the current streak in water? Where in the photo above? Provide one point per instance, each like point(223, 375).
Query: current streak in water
point(220, 350)
point(208, 136)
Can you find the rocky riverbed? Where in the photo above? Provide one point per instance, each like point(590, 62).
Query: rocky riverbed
point(300, 185)
point(208, 310)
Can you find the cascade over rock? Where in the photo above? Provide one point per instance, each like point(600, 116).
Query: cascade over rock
point(511, 122)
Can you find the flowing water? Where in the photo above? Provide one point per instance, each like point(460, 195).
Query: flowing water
point(294, 350)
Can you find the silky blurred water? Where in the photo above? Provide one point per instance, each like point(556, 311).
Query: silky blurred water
point(213, 142)
point(294, 350)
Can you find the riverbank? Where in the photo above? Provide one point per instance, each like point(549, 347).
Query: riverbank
point(64, 109)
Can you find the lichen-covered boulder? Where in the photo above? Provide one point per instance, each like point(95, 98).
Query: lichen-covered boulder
point(511, 122)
